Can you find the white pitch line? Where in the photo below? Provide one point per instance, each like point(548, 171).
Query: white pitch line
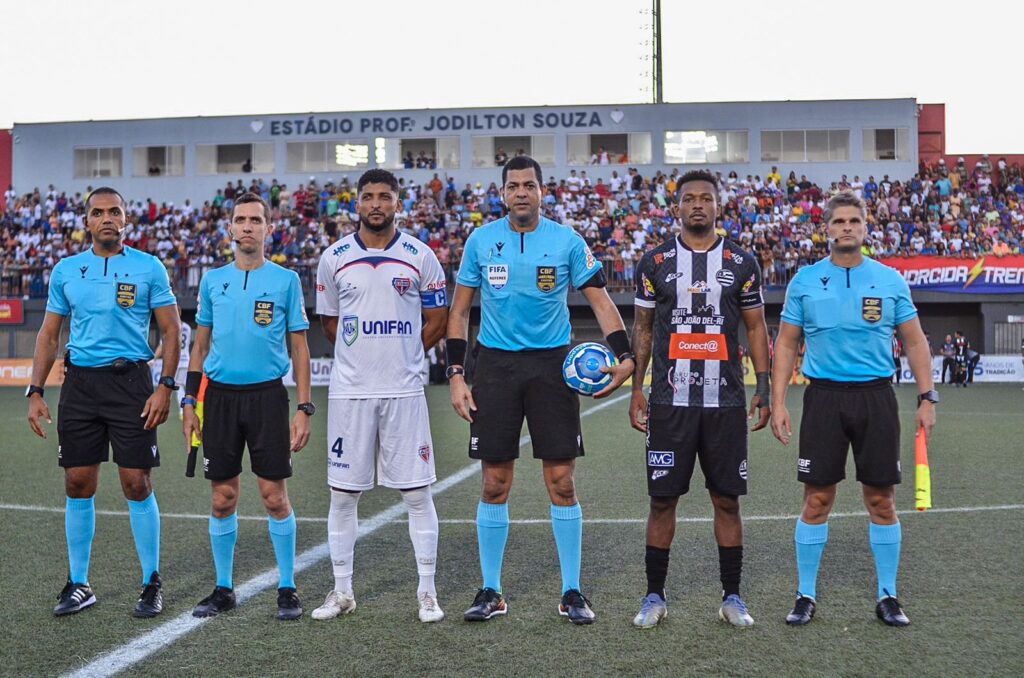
point(131, 653)
point(546, 521)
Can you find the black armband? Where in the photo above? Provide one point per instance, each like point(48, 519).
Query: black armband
point(456, 351)
point(619, 343)
point(193, 380)
point(596, 280)
point(763, 390)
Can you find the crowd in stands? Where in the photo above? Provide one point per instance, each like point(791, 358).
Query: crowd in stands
point(956, 211)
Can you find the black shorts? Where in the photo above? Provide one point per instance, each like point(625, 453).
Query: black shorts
point(511, 385)
point(99, 408)
point(677, 436)
point(254, 415)
point(838, 415)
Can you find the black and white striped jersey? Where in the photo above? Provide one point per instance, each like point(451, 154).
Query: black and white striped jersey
point(698, 299)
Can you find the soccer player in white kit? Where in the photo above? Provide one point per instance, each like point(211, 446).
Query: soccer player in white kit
point(382, 300)
point(186, 347)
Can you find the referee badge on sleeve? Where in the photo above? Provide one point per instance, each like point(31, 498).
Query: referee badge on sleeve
point(871, 309)
point(126, 295)
point(263, 313)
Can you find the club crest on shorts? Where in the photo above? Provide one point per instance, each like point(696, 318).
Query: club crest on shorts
point(350, 329)
point(546, 278)
point(871, 309)
point(126, 293)
point(424, 452)
point(401, 285)
point(263, 313)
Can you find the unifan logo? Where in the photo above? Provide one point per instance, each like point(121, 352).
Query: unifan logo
point(387, 327)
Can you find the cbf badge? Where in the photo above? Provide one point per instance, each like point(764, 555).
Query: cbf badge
point(871, 309)
point(125, 295)
point(546, 278)
point(263, 313)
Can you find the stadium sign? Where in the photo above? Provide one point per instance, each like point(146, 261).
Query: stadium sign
point(437, 122)
point(986, 275)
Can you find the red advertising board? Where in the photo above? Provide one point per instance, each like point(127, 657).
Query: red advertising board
point(12, 312)
point(985, 275)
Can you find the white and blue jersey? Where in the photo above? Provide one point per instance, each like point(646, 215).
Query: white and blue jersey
point(524, 281)
point(251, 313)
point(848, 316)
point(378, 296)
point(110, 300)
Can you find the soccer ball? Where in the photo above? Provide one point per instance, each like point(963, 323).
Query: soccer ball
point(582, 367)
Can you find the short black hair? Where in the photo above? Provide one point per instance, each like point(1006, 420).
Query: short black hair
point(521, 162)
point(696, 175)
point(107, 190)
point(377, 176)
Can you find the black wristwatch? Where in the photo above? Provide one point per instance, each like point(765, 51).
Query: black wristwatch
point(628, 355)
point(453, 370)
point(32, 390)
point(168, 382)
point(309, 409)
point(931, 396)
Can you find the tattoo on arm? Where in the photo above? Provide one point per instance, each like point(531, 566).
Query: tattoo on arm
point(643, 326)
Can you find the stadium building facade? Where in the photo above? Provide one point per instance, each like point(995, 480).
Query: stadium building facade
point(171, 159)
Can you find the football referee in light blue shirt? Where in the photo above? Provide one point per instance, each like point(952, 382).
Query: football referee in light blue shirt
point(107, 400)
point(846, 307)
point(523, 266)
point(250, 312)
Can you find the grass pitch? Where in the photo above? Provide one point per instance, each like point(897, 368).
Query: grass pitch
point(960, 581)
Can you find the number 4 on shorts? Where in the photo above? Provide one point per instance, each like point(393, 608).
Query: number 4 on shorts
point(336, 448)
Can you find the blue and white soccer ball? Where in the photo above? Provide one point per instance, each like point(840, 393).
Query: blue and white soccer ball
point(582, 367)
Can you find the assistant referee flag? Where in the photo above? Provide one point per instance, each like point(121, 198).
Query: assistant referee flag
point(923, 474)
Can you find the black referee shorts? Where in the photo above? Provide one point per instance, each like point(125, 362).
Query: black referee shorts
point(678, 436)
point(511, 385)
point(253, 415)
point(100, 408)
point(840, 414)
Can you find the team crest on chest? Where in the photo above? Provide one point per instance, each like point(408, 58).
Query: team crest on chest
point(350, 329)
point(401, 285)
point(126, 293)
point(871, 309)
point(263, 313)
point(546, 278)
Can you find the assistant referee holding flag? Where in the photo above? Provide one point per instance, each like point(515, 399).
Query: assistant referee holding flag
point(249, 312)
point(523, 265)
point(107, 400)
point(847, 307)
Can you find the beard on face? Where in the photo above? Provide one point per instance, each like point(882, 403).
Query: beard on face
point(382, 226)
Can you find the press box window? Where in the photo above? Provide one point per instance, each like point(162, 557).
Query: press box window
point(91, 163)
point(540, 147)
point(235, 158)
point(620, 149)
point(326, 156)
point(437, 153)
point(887, 144)
point(702, 147)
point(815, 145)
point(158, 161)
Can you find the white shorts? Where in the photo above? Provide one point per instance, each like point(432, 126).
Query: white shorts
point(391, 434)
point(179, 377)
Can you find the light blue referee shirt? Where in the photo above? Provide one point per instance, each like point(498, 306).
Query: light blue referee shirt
point(524, 280)
point(848, 316)
point(110, 301)
point(251, 313)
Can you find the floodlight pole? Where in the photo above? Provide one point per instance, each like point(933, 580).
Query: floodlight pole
point(656, 71)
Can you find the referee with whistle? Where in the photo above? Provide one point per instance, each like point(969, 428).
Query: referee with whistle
point(107, 399)
point(847, 307)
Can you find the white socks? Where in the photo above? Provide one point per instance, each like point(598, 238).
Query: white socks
point(342, 526)
point(423, 533)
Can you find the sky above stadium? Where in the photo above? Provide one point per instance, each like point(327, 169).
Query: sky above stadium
point(117, 59)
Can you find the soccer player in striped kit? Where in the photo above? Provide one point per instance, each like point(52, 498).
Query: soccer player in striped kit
point(692, 293)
